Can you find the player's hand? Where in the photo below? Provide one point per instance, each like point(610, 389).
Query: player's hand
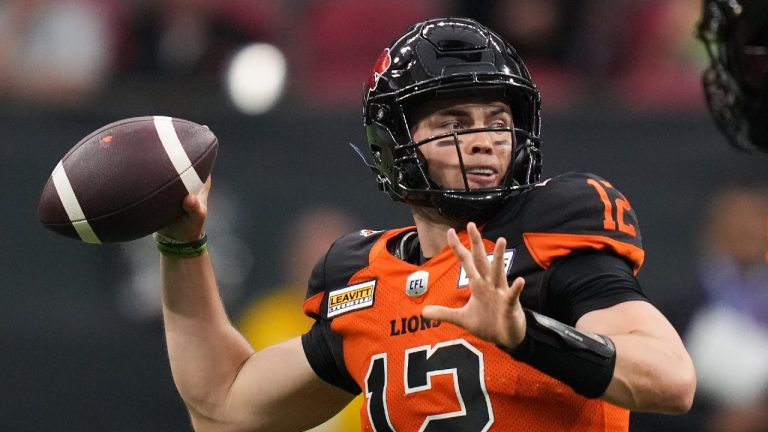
point(493, 311)
point(191, 225)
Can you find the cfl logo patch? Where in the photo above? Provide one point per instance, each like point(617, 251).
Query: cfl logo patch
point(417, 283)
point(509, 256)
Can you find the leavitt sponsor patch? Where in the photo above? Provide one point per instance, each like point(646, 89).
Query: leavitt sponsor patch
point(351, 298)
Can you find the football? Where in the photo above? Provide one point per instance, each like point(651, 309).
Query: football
point(127, 179)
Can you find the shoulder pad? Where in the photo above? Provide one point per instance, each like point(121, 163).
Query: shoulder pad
point(579, 211)
point(577, 203)
point(344, 258)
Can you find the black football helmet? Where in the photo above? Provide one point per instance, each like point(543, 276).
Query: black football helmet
point(442, 57)
point(735, 33)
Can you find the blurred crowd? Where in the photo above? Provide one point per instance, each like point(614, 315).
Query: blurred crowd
point(723, 315)
point(726, 324)
point(62, 52)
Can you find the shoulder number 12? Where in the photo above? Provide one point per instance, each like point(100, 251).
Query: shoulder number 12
point(622, 205)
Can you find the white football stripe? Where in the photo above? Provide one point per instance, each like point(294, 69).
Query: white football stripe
point(72, 206)
point(177, 154)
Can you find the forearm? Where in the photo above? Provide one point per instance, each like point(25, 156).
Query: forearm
point(205, 350)
point(653, 371)
point(651, 375)
point(225, 385)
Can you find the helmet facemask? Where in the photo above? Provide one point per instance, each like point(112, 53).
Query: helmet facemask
point(418, 187)
point(462, 200)
point(421, 70)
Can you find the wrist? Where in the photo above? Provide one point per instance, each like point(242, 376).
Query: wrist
point(515, 337)
point(584, 361)
point(171, 247)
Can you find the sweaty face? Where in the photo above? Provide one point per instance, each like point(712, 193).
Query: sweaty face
point(486, 155)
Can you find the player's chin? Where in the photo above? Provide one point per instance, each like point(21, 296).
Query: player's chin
point(477, 182)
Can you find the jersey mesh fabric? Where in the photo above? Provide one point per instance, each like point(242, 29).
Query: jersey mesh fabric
point(500, 393)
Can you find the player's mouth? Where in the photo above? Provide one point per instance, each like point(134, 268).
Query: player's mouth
point(482, 177)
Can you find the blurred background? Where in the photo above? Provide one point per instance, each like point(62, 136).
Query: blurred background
point(280, 83)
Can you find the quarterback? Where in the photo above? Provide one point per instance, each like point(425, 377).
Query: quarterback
point(512, 304)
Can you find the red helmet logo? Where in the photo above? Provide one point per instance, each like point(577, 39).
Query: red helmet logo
point(381, 66)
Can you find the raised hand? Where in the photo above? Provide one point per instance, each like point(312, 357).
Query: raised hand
point(191, 225)
point(493, 311)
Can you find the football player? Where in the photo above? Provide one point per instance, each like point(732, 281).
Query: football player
point(735, 33)
point(512, 304)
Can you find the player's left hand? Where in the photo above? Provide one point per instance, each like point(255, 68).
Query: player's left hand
point(493, 312)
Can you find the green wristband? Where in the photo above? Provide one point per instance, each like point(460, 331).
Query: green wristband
point(171, 247)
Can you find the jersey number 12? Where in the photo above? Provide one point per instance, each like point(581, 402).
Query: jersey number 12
point(456, 357)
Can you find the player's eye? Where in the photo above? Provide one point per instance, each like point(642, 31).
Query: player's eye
point(452, 125)
point(499, 124)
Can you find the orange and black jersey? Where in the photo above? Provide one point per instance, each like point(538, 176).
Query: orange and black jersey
point(575, 240)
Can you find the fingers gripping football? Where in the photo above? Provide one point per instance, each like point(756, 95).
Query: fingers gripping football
point(191, 224)
point(493, 311)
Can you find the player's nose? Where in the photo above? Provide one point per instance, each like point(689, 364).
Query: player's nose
point(479, 142)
